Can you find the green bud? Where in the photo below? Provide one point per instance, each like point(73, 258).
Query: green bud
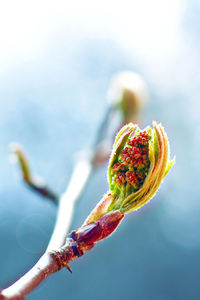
point(138, 164)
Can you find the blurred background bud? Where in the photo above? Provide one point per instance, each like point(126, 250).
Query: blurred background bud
point(128, 92)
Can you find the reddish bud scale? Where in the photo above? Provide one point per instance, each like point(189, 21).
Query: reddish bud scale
point(109, 223)
point(133, 162)
point(78, 242)
point(95, 231)
point(89, 234)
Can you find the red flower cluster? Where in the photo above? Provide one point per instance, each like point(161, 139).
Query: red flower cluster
point(133, 163)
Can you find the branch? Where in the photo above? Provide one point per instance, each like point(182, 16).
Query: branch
point(82, 171)
point(50, 262)
point(44, 267)
point(79, 179)
point(77, 244)
point(37, 185)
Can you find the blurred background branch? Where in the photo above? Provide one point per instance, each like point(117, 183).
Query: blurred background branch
point(34, 183)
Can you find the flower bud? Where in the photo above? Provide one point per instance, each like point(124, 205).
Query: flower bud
point(138, 164)
point(128, 92)
point(139, 161)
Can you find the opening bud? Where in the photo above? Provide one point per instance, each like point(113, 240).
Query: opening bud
point(138, 164)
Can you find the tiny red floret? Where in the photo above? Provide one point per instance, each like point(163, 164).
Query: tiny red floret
point(133, 162)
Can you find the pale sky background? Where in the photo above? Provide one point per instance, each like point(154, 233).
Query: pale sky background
point(29, 27)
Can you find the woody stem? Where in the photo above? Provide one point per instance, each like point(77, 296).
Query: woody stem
point(49, 263)
point(67, 203)
point(52, 262)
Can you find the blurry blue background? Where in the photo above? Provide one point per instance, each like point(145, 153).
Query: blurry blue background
point(56, 62)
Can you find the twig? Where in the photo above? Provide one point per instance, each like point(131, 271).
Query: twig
point(76, 245)
point(32, 182)
point(44, 267)
point(67, 203)
point(82, 171)
point(48, 263)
